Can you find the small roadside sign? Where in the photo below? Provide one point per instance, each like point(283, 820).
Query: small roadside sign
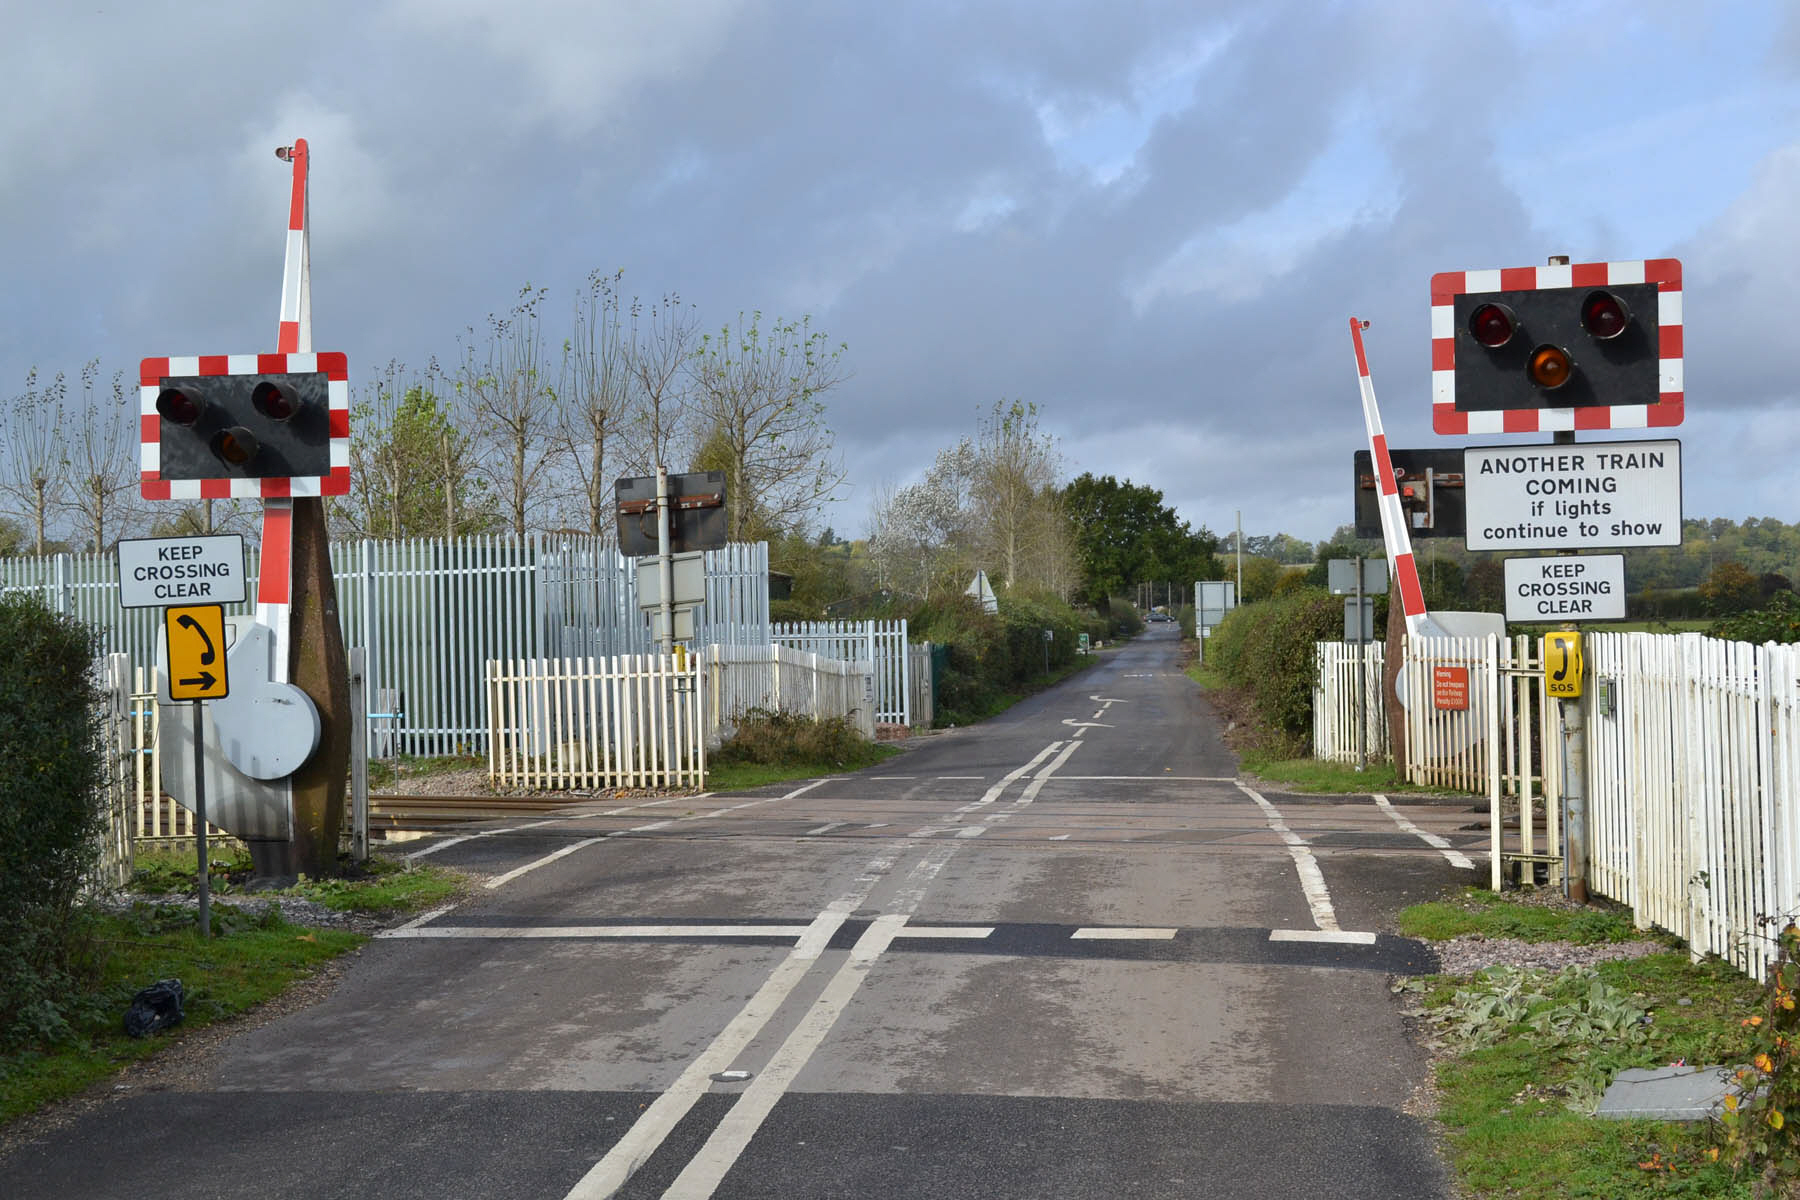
point(196, 651)
point(1450, 688)
point(1591, 495)
point(1566, 587)
point(156, 572)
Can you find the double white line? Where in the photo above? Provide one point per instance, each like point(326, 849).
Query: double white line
point(703, 1173)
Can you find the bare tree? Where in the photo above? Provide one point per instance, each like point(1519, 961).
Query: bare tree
point(32, 471)
point(103, 462)
point(659, 349)
point(757, 400)
point(509, 392)
point(595, 389)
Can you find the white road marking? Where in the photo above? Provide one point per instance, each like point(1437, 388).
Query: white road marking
point(965, 932)
point(1085, 724)
point(707, 1169)
point(650, 1129)
point(1457, 858)
point(600, 932)
point(1163, 778)
point(1347, 936)
point(1102, 934)
point(1057, 837)
point(1107, 700)
point(827, 827)
point(962, 776)
point(1007, 780)
point(1312, 882)
point(1042, 777)
point(893, 777)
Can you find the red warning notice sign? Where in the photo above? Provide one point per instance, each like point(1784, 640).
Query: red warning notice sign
point(1450, 688)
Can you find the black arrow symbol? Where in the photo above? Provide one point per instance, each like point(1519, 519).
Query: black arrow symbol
point(206, 655)
point(204, 681)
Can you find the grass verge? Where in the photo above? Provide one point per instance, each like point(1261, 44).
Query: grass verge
point(377, 885)
point(1522, 1057)
point(248, 961)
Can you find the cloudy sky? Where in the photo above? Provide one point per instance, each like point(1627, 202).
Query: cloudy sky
point(1153, 220)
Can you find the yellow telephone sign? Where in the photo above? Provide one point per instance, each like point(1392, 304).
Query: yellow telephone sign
point(1562, 665)
point(196, 645)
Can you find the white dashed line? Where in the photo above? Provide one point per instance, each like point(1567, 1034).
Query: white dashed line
point(1104, 934)
point(1345, 936)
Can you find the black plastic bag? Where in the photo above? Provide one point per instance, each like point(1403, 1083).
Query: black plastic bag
point(156, 1007)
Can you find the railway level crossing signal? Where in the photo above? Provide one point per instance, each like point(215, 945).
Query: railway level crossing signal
point(249, 425)
point(1557, 348)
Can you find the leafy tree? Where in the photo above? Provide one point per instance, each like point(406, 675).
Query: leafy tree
point(1021, 529)
point(1125, 534)
point(413, 471)
point(758, 400)
point(1730, 588)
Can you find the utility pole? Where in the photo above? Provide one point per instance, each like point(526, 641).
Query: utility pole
point(1240, 555)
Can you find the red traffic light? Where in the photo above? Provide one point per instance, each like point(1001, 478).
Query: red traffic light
point(273, 402)
point(176, 405)
point(1604, 315)
point(1492, 325)
point(236, 445)
point(1549, 367)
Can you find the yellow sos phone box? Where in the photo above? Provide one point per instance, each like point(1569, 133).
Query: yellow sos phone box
point(1562, 665)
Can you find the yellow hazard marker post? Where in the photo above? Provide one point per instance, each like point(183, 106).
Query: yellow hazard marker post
point(195, 645)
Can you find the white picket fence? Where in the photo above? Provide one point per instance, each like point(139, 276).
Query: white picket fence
point(781, 679)
point(630, 720)
point(1692, 747)
point(880, 642)
point(1694, 770)
point(1341, 709)
point(646, 720)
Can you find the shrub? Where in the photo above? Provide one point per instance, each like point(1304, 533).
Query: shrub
point(787, 739)
point(1776, 621)
point(51, 808)
point(1267, 649)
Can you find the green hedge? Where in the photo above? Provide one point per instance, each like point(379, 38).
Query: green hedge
point(992, 654)
point(51, 808)
point(1266, 649)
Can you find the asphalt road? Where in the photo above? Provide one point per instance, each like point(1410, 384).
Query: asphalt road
point(1061, 954)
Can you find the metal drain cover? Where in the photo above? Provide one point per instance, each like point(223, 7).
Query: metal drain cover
point(730, 1076)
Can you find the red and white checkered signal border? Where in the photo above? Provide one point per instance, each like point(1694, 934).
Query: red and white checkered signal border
point(151, 373)
point(1665, 273)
